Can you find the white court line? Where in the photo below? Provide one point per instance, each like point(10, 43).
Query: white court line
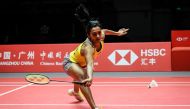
point(103, 84)
point(23, 86)
point(106, 85)
point(143, 82)
point(115, 82)
point(104, 105)
point(13, 82)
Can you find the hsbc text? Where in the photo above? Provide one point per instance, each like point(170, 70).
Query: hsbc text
point(153, 52)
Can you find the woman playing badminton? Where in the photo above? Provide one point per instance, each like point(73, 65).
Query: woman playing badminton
point(79, 63)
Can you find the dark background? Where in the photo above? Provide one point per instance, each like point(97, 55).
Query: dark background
point(54, 21)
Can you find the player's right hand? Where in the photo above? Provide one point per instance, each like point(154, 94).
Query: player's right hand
point(87, 82)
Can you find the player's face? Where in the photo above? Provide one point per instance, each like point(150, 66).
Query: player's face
point(95, 34)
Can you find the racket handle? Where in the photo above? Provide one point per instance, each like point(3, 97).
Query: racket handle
point(77, 82)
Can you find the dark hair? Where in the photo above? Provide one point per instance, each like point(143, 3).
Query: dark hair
point(91, 24)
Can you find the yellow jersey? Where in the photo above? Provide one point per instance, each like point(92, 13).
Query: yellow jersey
point(76, 57)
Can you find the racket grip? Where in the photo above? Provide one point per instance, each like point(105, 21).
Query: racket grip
point(77, 82)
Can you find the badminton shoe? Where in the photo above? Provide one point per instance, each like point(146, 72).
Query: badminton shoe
point(78, 95)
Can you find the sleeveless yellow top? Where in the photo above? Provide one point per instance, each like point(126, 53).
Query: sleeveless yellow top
point(76, 57)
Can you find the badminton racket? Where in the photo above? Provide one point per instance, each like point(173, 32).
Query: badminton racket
point(42, 79)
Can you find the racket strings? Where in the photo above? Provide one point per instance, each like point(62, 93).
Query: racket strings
point(42, 79)
point(37, 79)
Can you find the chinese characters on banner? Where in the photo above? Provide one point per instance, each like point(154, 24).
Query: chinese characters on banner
point(115, 57)
point(33, 58)
point(152, 56)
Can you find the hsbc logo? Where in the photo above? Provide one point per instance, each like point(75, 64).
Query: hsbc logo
point(122, 57)
point(184, 38)
point(179, 39)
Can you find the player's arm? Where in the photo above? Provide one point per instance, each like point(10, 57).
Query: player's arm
point(88, 51)
point(120, 32)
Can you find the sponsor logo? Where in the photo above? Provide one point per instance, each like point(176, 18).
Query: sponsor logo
point(122, 57)
point(179, 39)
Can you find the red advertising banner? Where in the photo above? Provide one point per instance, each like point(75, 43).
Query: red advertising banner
point(155, 56)
point(180, 38)
point(33, 58)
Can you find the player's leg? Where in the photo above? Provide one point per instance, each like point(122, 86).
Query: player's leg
point(88, 95)
point(76, 87)
point(79, 74)
point(72, 92)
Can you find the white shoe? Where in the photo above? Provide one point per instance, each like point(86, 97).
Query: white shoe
point(98, 108)
point(78, 96)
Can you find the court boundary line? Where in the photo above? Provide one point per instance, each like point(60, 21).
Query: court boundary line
point(101, 84)
point(10, 91)
point(117, 82)
point(106, 85)
point(106, 105)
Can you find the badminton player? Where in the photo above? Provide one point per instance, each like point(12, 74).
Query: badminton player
point(79, 63)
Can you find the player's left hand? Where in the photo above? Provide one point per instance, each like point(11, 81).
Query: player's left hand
point(122, 31)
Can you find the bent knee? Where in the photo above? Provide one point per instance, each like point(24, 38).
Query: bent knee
point(76, 72)
point(80, 77)
point(77, 75)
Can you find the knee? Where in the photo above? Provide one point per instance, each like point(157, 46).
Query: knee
point(81, 76)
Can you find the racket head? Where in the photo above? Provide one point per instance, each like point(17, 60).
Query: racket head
point(37, 79)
